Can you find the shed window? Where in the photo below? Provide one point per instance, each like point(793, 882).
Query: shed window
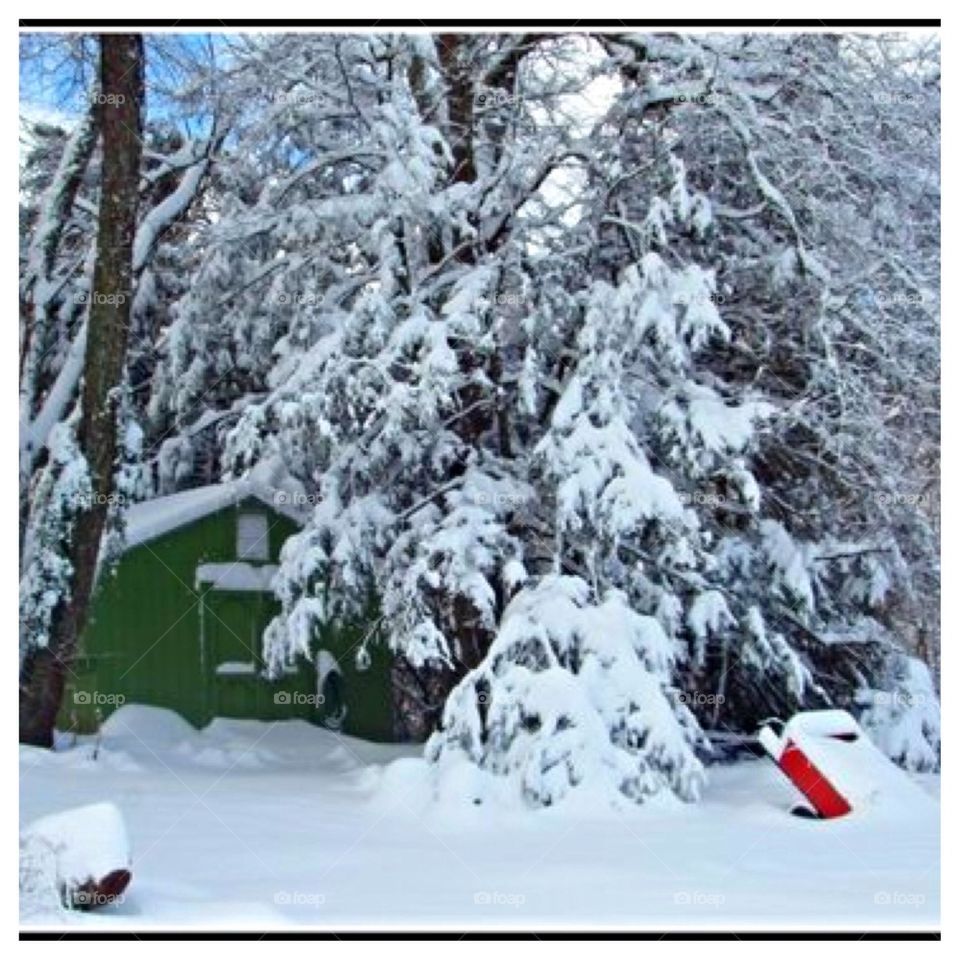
point(253, 543)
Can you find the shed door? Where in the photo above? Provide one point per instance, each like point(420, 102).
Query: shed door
point(232, 630)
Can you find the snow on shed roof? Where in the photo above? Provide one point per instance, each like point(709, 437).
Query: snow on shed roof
point(153, 518)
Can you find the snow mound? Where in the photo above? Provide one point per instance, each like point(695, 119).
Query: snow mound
point(138, 737)
point(822, 723)
point(862, 773)
point(68, 849)
point(838, 748)
point(135, 724)
point(406, 784)
point(39, 891)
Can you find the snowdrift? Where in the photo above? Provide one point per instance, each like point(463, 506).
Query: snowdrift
point(82, 854)
point(840, 760)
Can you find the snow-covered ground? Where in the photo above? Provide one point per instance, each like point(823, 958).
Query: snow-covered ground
point(258, 825)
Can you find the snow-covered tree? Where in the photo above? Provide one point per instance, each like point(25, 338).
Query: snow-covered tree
point(662, 365)
point(575, 689)
point(795, 152)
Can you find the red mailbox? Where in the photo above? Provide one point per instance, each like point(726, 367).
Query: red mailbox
point(819, 751)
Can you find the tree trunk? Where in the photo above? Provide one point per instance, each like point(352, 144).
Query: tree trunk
point(119, 108)
point(456, 73)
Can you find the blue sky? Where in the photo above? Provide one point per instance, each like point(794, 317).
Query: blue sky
point(57, 70)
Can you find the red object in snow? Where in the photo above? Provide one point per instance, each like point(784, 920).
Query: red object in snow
point(98, 893)
point(812, 783)
point(797, 752)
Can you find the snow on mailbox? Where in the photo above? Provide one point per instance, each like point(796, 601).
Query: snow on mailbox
point(831, 761)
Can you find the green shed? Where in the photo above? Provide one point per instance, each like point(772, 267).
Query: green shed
point(178, 622)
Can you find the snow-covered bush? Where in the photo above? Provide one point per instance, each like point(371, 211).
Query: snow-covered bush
point(903, 719)
point(573, 691)
point(70, 852)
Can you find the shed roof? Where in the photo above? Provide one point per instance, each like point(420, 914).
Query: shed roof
point(151, 519)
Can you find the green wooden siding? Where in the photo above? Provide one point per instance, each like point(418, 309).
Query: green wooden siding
point(143, 642)
point(366, 694)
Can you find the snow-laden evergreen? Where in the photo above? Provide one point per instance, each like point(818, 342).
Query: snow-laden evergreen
point(904, 718)
point(575, 689)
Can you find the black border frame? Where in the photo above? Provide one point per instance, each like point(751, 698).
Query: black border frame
point(387, 933)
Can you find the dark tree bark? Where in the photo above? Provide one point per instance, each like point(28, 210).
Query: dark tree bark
point(120, 124)
point(456, 72)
